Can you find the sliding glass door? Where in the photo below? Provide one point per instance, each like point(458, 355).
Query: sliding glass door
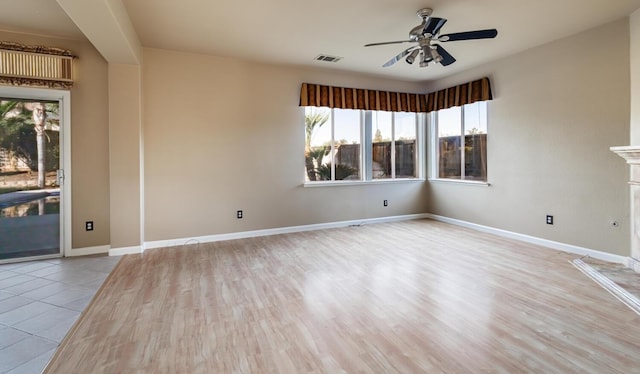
point(30, 177)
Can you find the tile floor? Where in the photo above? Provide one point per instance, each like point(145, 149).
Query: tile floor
point(39, 302)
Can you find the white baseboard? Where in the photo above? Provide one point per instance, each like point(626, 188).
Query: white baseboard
point(628, 261)
point(633, 264)
point(125, 250)
point(276, 231)
point(609, 257)
point(103, 249)
point(86, 251)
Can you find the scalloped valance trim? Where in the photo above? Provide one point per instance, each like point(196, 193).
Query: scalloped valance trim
point(11, 46)
point(28, 82)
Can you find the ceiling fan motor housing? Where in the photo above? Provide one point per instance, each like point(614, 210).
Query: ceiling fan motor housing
point(424, 13)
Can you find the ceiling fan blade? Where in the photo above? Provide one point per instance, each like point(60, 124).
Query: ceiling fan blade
point(398, 57)
point(433, 25)
point(469, 35)
point(447, 59)
point(385, 43)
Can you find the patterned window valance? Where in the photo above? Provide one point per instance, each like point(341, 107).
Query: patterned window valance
point(35, 66)
point(462, 94)
point(358, 98)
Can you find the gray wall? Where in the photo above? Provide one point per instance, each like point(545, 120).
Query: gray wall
point(557, 110)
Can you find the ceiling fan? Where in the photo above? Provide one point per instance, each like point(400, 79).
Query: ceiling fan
point(425, 35)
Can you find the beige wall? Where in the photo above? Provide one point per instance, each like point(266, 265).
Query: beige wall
point(223, 135)
point(90, 138)
point(634, 23)
point(125, 130)
point(557, 110)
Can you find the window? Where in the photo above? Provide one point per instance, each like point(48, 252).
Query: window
point(356, 145)
point(332, 144)
point(459, 143)
point(394, 145)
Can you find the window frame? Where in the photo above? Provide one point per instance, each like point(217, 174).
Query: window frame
point(434, 151)
point(366, 152)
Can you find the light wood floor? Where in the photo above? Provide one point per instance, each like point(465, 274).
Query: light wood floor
point(407, 297)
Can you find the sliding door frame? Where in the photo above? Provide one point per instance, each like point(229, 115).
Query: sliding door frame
point(63, 97)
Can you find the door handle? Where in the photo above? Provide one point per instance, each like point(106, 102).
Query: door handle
point(60, 176)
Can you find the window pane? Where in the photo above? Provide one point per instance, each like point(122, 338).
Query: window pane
point(449, 134)
point(475, 141)
point(317, 143)
point(347, 144)
point(381, 147)
point(334, 149)
point(406, 144)
point(475, 118)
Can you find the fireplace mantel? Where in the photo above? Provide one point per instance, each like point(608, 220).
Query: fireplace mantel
point(631, 154)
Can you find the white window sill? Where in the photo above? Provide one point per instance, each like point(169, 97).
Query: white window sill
point(360, 182)
point(460, 181)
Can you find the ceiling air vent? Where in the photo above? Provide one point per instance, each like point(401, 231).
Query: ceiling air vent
point(327, 58)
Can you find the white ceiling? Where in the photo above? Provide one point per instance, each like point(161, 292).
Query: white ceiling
point(295, 31)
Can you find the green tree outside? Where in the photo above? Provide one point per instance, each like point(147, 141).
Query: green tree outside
point(26, 134)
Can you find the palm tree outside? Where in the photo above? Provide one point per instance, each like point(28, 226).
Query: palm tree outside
point(313, 119)
point(39, 119)
point(29, 136)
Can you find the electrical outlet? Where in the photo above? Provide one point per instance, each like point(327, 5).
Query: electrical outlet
point(239, 214)
point(385, 203)
point(88, 226)
point(549, 220)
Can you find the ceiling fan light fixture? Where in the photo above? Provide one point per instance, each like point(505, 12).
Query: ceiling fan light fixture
point(425, 56)
point(424, 62)
point(436, 56)
point(412, 56)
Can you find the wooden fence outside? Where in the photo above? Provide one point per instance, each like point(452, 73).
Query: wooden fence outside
point(475, 157)
point(349, 155)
